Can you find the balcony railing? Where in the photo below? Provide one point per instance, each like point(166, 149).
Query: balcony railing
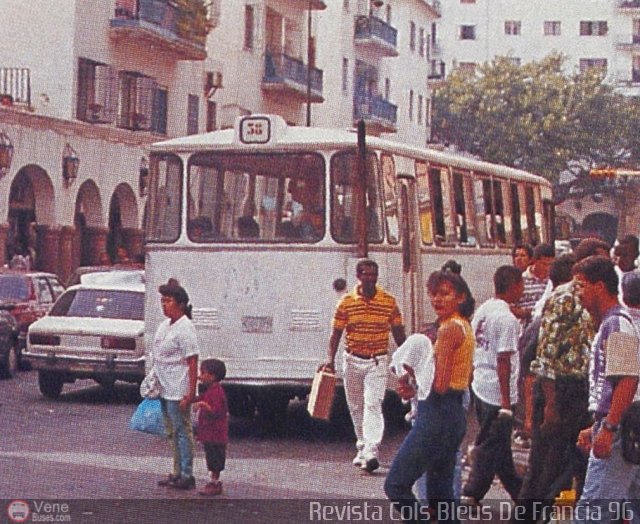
point(162, 23)
point(375, 110)
point(15, 86)
point(373, 32)
point(284, 73)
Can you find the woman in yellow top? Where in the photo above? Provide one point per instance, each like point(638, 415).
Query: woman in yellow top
point(440, 423)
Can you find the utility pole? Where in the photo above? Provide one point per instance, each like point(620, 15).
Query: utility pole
point(309, 64)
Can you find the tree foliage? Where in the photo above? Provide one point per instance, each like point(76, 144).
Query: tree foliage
point(537, 117)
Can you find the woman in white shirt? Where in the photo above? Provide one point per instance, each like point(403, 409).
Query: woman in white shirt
point(175, 361)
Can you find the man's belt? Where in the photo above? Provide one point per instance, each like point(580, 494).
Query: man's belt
point(367, 357)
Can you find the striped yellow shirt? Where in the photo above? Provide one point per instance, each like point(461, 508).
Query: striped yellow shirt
point(367, 321)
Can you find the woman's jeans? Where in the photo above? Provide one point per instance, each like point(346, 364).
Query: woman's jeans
point(430, 447)
point(180, 433)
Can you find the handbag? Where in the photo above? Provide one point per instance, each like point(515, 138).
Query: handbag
point(150, 386)
point(148, 418)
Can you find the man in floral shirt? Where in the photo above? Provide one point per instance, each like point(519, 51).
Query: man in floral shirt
point(562, 385)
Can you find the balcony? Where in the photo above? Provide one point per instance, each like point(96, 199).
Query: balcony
point(161, 26)
point(287, 76)
point(15, 86)
point(379, 115)
point(376, 35)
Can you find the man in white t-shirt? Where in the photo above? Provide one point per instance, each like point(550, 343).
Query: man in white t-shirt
point(494, 384)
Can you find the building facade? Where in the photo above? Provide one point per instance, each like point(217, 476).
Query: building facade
point(85, 85)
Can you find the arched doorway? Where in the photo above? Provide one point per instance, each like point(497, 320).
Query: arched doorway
point(603, 225)
point(31, 205)
point(123, 223)
point(88, 221)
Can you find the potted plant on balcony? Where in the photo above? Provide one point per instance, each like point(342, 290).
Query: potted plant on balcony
point(192, 23)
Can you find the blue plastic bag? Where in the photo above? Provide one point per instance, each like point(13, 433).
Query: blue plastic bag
point(148, 418)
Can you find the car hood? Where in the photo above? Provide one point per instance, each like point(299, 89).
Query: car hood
point(88, 326)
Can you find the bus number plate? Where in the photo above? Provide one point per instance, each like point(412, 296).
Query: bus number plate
point(257, 324)
point(255, 130)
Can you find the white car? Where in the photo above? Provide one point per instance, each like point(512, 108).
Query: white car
point(94, 330)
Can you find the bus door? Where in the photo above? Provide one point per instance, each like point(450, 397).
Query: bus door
point(413, 288)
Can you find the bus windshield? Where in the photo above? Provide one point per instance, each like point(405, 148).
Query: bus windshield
point(256, 197)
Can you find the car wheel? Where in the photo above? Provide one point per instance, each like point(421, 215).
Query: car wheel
point(9, 365)
point(50, 384)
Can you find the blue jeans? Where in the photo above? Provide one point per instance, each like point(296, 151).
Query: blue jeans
point(609, 482)
point(180, 433)
point(430, 447)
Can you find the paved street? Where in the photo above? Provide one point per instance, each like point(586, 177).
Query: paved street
point(79, 450)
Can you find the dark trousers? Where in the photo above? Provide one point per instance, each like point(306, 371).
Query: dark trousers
point(492, 454)
point(430, 447)
point(554, 459)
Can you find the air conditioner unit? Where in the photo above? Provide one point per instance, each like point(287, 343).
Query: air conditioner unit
point(213, 83)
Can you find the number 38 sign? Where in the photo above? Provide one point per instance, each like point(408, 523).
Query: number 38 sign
point(255, 130)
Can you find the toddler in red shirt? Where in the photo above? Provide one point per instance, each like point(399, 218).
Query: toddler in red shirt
point(213, 422)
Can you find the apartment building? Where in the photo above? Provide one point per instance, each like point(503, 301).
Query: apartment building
point(594, 33)
point(85, 85)
point(325, 63)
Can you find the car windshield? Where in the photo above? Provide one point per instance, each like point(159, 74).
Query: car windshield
point(100, 303)
point(13, 288)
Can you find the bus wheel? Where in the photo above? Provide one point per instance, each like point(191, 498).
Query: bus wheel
point(240, 404)
point(272, 406)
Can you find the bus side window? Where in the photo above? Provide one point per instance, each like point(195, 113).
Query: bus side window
point(424, 203)
point(435, 185)
point(516, 214)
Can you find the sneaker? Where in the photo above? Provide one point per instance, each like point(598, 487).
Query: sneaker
point(358, 460)
point(371, 465)
point(166, 481)
point(211, 489)
point(183, 483)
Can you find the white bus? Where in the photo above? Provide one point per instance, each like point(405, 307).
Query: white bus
point(262, 224)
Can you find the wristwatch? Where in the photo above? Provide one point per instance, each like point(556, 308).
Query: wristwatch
point(610, 427)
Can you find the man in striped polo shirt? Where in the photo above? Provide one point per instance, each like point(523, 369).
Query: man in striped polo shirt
point(367, 314)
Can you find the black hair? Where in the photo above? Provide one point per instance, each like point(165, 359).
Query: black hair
point(365, 262)
point(543, 251)
point(215, 367)
point(631, 241)
point(526, 247)
point(459, 285)
point(174, 290)
point(560, 270)
point(453, 266)
point(505, 277)
point(631, 289)
point(588, 247)
point(598, 269)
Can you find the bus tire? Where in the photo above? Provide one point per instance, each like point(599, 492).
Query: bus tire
point(240, 404)
point(272, 406)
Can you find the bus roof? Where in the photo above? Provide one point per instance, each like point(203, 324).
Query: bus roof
point(294, 138)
